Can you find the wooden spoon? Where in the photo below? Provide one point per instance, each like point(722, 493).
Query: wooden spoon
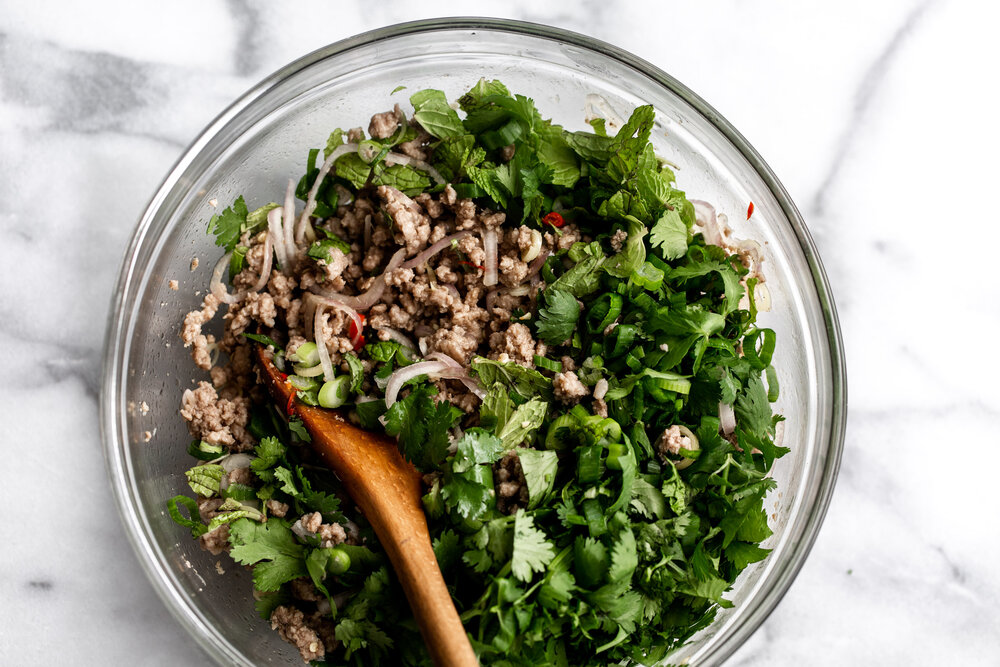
point(387, 489)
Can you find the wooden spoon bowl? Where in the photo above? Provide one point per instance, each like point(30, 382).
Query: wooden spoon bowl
point(387, 490)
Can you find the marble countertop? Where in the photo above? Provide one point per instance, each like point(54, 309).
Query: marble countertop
point(879, 118)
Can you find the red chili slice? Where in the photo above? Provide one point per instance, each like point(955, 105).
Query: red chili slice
point(749, 210)
point(290, 406)
point(475, 266)
point(356, 335)
point(553, 219)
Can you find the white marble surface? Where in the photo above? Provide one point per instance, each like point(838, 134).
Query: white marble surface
point(880, 117)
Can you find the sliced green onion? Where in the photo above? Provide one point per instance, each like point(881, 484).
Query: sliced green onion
point(240, 492)
point(759, 357)
point(594, 515)
point(605, 310)
point(772, 383)
point(588, 464)
point(548, 364)
point(334, 393)
point(666, 381)
point(204, 451)
point(338, 562)
point(647, 277)
point(615, 452)
point(307, 354)
point(556, 440)
point(620, 339)
point(302, 384)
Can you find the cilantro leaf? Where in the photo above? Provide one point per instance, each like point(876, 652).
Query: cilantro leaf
point(532, 551)
point(228, 225)
point(670, 235)
point(476, 447)
point(557, 321)
point(422, 426)
point(272, 548)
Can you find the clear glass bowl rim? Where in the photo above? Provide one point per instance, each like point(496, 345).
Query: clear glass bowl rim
point(116, 345)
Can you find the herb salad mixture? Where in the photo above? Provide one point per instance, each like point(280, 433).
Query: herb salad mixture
point(562, 343)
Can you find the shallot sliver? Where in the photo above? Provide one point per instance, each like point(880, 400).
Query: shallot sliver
point(265, 268)
point(319, 319)
point(275, 228)
point(401, 376)
point(490, 245)
point(432, 250)
point(216, 285)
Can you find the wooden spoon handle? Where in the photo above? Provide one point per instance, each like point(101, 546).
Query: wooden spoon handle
point(387, 490)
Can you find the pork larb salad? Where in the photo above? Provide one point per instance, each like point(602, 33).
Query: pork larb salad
point(563, 345)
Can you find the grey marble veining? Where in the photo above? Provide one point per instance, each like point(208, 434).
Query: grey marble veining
point(877, 116)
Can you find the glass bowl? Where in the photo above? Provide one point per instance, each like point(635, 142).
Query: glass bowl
point(252, 148)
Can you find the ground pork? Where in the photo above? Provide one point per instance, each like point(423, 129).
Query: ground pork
point(291, 626)
point(511, 488)
point(331, 534)
point(256, 307)
point(618, 240)
point(458, 343)
point(217, 421)
point(417, 147)
point(193, 337)
point(411, 225)
point(240, 476)
point(671, 442)
point(332, 269)
point(568, 388)
point(277, 508)
point(513, 344)
point(216, 541)
point(303, 589)
point(383, 125)
point(207, 508)
point(512, 270)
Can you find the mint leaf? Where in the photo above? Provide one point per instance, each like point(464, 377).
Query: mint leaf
point(205, 479)
point(526, 382)
point(539, 469)
point(524, 421)
point(496, 409)
point(432, 111)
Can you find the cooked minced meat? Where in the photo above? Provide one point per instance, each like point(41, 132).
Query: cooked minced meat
point(291, 626)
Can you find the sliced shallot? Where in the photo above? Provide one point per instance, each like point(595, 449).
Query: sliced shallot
point(432, 250)
point(218, 287)
point(275, 229)
point(265, 268)
point(406, 373)
point(399, 337)
point(490, 245)
point(396, 158)
point(362, 301)
point(727, 418)
point(319, 319)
